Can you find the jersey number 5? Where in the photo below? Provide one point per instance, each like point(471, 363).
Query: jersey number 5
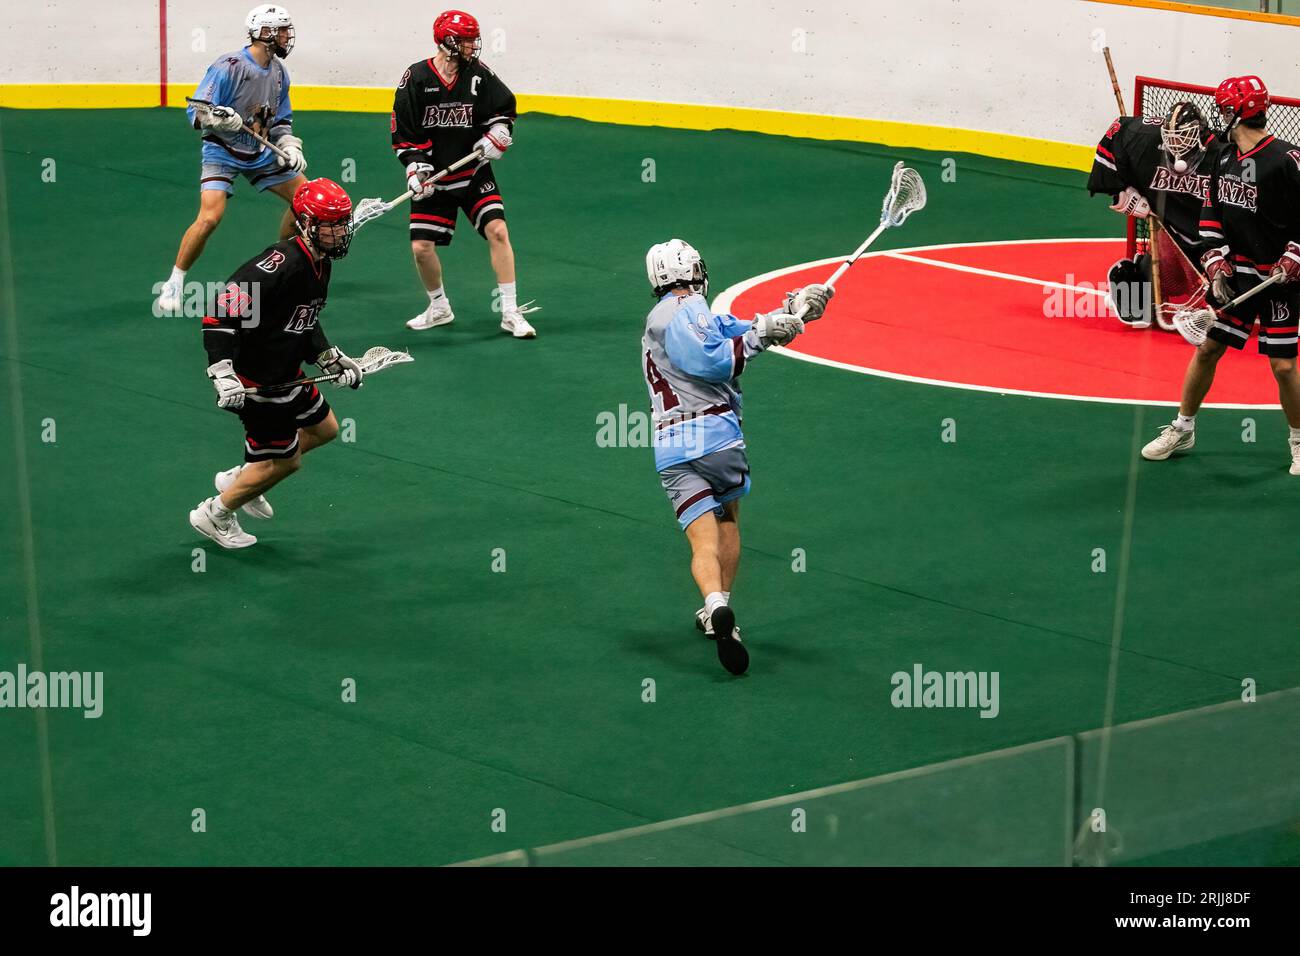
point(659, 385)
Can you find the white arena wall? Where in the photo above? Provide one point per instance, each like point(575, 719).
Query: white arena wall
point(1013, 78)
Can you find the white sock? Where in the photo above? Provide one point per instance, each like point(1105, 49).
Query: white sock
point(437, 296)
point(713, 601)
point(1295, 434)
point(1185, 423)
point(507, 290)
point(218, 508)
point(178, 275)
point(726, 597)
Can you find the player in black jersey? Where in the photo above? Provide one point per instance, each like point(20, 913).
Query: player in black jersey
point(265, 325)
point(1158, 165)
point(1251, 218)
point(444, 108)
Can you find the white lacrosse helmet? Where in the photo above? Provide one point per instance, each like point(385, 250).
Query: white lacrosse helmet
point(676, 262)
point(264, 24)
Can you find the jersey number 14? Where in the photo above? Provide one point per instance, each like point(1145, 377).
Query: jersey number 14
point(659, 385)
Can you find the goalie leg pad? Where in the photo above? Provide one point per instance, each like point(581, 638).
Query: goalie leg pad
point(1130, 289)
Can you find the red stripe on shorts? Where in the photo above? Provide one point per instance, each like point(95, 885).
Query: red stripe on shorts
point(698, 496)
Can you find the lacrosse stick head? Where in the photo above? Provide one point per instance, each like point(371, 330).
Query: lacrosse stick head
point(378, 357)
point(367, 210)
point(1194, 323)
point(906, 195)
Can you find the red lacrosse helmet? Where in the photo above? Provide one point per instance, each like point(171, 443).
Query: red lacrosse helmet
point(1242, 96)
point(454, 26)
point(321, 202)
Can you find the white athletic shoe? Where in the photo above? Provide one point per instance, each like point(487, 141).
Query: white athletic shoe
point(1295, 457)
point(259, 507)
point(223, 529)
point(513, 321)
point(432, 317)
point(170, 299)
point(1169, 440)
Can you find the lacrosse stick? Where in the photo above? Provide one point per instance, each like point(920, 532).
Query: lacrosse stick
point(369, 209)
point(906, 195)
point(1154, 225)
point(208, 105)
point(375, 360)
point(1193, 323)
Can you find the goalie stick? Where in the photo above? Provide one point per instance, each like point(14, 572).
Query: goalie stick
point(208, 105)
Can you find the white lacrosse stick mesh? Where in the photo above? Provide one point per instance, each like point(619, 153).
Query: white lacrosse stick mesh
point(1193, 324)
point(367, 210)
point(906, 195)
point(378, 358)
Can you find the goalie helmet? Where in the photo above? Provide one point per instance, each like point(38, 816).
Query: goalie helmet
point(1241, 98)
point(676, 263)
point(453, 27)
point(264, 25)
point(1183, 135)
point(323, 202)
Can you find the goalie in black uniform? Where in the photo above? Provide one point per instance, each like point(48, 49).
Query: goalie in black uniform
point(1154, 165)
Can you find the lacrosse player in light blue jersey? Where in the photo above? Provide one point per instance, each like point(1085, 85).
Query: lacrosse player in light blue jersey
point(692, 360)
point(249, 87)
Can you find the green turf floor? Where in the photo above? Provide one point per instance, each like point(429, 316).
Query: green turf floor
point(523, 690)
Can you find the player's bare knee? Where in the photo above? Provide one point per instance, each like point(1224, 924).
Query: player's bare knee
point(1210, 351)
point(496, 233)
point(287, 466)
point(1283, 368)
point(423, 249)
point(208, 222)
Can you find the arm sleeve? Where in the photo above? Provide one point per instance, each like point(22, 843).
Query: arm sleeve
point(282, 123)
point(705, 351)
point(214, 87)
point(500, 105)
point(1108, 173)
point(409, 141)
point(316, 343)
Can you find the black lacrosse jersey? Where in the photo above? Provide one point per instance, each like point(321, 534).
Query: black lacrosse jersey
point(267, 318)
point(1130, 154)
point(1255, 207)
point(438, 123)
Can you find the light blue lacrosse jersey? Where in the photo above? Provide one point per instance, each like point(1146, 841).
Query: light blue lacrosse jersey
point(259, 95)
point(691, 360)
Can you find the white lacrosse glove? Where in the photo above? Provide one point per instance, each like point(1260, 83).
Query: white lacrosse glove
point(776, 328)
point(418, 180)
point(223, 119)
point(293, 146)
point(230, 391)
point(495, 141)
point(333, 362)
point(813, 297)
point(1132, 203)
